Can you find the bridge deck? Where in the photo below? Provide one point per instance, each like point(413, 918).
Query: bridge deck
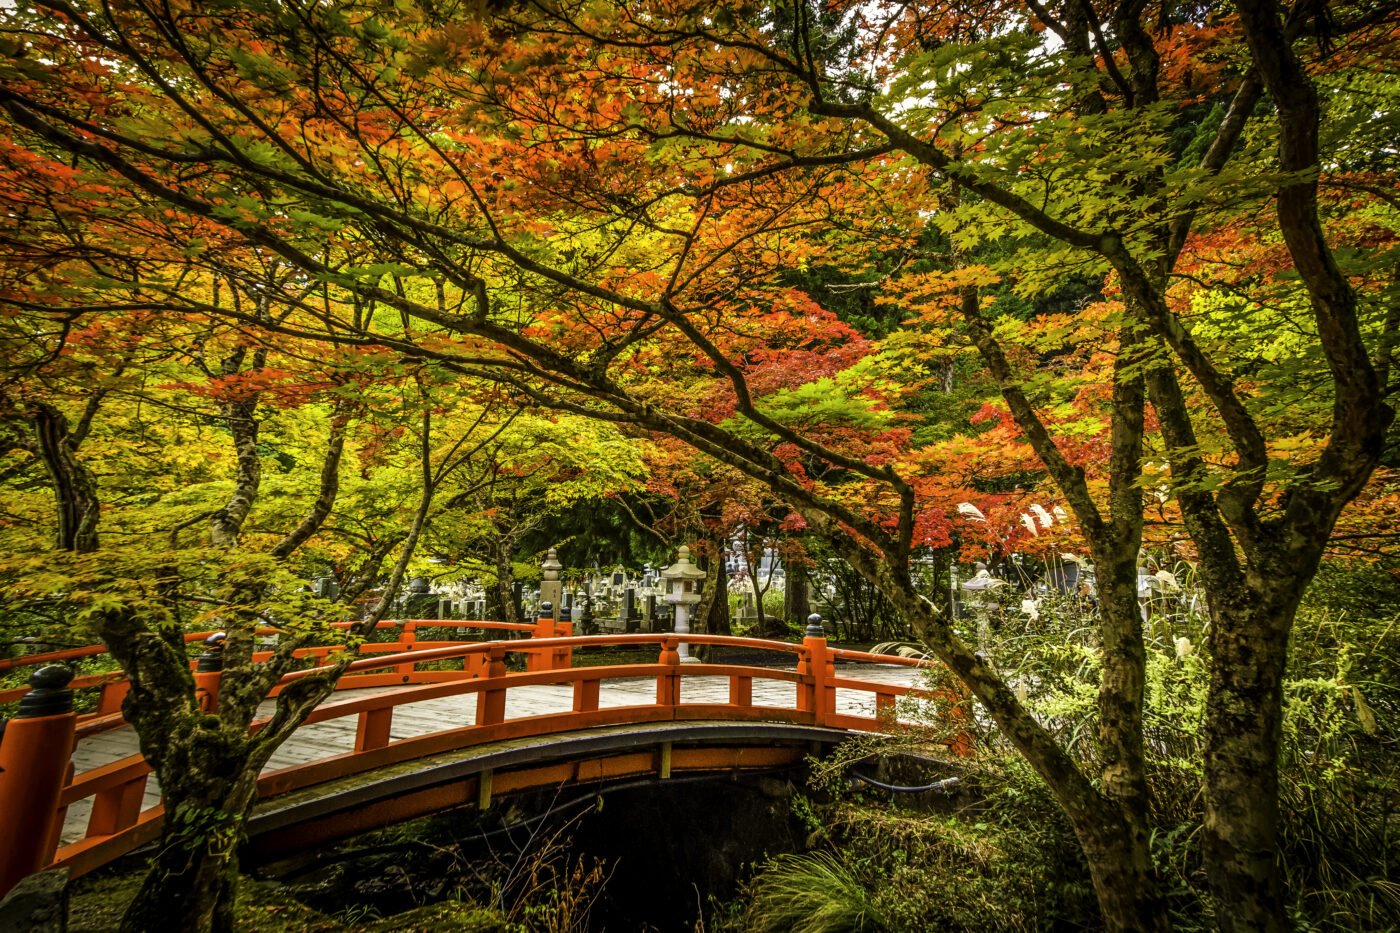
point(337, 736)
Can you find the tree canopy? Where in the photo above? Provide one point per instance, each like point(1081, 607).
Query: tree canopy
point(906, 278)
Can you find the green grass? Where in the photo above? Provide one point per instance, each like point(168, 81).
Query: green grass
point(811, 893)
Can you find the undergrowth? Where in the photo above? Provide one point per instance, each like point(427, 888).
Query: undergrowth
point(1000, 857)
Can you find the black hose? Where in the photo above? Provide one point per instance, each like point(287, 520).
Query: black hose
point(938, 787)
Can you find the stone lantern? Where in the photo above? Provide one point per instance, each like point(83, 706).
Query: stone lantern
point(681, 588)
point(551, 587)
point(420, 602)
point(979, 596)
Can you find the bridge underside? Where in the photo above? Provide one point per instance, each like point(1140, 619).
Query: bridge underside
point(477, 776)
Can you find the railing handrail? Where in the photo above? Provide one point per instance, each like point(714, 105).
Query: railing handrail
point(525, 646)
point(843, 654)
point(465, 649)
point(88, 651)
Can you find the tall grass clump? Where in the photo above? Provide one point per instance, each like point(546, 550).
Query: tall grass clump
point(811, 893)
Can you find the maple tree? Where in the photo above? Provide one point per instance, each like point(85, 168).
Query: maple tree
point(535, 470)
point(608, 228)
point(198, 486)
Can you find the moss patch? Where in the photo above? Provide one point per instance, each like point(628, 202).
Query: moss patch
point(98, 902)
point(464, 918)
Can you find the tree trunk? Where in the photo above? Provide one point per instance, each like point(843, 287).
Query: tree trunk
point(226, 524)
point(500, 597)
point(192, 879)
point(1119, 863)
point(797, 603)
point(1244, 714)
point(74, 489)
point(1122, 687)
point(329, 488)
point(712, 612)
point(767, 626)
point(208, 767)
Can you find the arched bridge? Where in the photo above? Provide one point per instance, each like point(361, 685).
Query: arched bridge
point(419, 726)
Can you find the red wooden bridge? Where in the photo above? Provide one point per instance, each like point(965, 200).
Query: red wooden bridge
point(422, 725)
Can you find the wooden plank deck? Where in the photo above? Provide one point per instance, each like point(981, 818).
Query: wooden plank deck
point(337, 736)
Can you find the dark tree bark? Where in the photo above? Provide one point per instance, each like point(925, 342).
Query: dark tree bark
point(329, 488)
point(208, 767)
point(797, 603)
point(500, 597)
point(77, 508)
point(712, 612)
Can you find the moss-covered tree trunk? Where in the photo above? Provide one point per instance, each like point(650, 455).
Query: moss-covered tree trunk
point(1244, 716)
point(1248, 639)
point(207, 766)
point(1122, 766)
point(207, 763)
point(191, 882)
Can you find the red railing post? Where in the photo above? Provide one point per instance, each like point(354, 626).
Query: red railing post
point(541, 659)
point(209, 671)
point(35, 751)
point(586, 695)
point(563, 657)
point(408, 638)
point(117, 808)
point(805, 694)
point(113, 692)
point(821, 668)
point(668, 683)
point(491, 702)
point(373, 728)
point(740, 691)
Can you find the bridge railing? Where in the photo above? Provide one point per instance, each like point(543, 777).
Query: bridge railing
point(111, 687)
point(36, 749)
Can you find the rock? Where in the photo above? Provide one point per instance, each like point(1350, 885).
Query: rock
point(38, 904)
point(773, 788)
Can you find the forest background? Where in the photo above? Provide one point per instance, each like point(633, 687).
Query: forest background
point(292, 289)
